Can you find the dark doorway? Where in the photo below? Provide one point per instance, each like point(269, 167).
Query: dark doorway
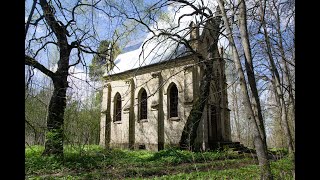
point(212, 117)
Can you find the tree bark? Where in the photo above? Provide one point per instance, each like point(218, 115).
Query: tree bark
point(55, 119)
point(30, 16)
point(189, 133)
point(260, 146)
point(284, 61)
point(249, 69)
point(274, 70)
point(57, 105)
point(236, 113)
point(280, 136)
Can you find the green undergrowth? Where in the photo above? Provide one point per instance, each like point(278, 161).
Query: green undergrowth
point(94, 162)
point(282, 170)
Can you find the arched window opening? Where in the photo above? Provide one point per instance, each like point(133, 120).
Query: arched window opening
point(143, 105)
point(117, 107)
point(173, 101)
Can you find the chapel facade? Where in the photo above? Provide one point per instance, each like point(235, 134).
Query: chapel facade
point(147, 107)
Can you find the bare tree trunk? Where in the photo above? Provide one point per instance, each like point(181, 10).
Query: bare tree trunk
point(189, 133)
point(30, 16)
point(259, 142)
point(284, 61)
point(55, 120)
point(248, 134)
point(249, 69)
point(274, 70)
point(236, 113)
point(278, 118)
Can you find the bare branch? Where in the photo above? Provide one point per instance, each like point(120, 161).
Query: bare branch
point(29, 17)
point(32, 62)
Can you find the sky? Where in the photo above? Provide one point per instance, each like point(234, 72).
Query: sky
point(80, 85)
point(155, 51)
point(105, 28)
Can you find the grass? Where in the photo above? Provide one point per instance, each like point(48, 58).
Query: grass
point(93, 162)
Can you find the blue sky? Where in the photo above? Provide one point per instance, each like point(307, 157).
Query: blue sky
point(104, 28)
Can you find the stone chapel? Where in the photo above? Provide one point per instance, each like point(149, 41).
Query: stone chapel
point(148, 96)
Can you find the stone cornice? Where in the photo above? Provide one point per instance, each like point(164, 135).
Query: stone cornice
point(182, 61)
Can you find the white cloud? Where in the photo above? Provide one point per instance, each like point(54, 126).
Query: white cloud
point(157, 50)
point(81, 87)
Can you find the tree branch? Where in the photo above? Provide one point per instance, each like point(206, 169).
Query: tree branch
point(59, 30)
point(32, 62)
point(30, 16)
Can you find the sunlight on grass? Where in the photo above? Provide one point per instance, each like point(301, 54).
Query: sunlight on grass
point(94, 162)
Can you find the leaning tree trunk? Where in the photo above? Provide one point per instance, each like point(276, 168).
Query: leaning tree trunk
point(249, 69)
point(260, 146)
point(189, 133)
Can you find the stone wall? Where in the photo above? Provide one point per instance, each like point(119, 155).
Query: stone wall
point(158, 130)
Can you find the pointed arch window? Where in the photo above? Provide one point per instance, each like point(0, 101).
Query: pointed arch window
point(117, 107)
point(173, 101)
point(143, 106)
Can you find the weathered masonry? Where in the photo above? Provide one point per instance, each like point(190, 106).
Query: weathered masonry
point(146, 105)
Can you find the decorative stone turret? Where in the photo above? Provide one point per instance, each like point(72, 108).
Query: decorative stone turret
point(194, 35)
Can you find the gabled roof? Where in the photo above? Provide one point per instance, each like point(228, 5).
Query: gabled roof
point(151, 53)
point(153, 50)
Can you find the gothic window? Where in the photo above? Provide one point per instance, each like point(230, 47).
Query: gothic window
point(143, 104)
point(117, 107)
point(173, 101)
